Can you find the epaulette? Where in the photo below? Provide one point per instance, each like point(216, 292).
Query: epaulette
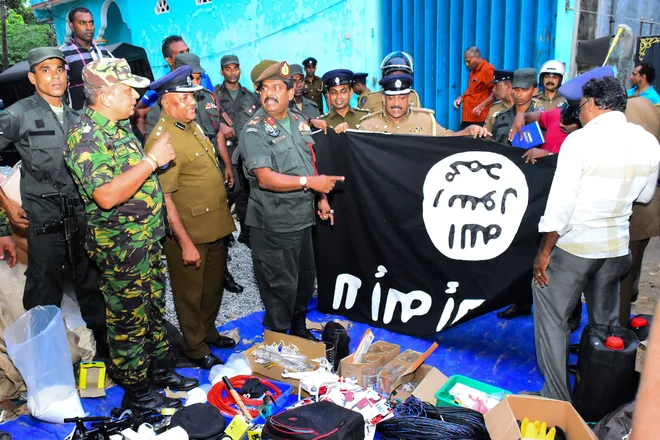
point(538, 105)
point(422, 110)
point(370, 115)
point(360, 110)
point(324, 115)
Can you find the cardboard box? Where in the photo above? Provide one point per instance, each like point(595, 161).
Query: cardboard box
point(641, 354)
point(91, 379)
point(429, 380)
point(313, 350)
point(378, 355)
point(502, 424)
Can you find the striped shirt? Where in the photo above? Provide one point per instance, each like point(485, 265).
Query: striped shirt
point(601, 170)
point(479, 88)
point(76, 58)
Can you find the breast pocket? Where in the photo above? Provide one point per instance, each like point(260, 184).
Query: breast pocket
point(46, 151)
point(192, 163)
point(205, 208)
point(285, 158)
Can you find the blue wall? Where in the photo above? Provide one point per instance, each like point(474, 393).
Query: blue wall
point(338, 33)
point(509, 33)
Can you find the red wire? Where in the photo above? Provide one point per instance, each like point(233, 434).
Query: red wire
point(224, 402)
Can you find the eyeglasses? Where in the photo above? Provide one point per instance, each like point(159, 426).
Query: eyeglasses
point(577, 112)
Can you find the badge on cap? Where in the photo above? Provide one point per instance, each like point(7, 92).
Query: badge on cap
point(337, 80)
point(284, 69)
point(397, 84)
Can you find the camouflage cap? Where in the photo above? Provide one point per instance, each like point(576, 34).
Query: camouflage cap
point(259, 68)
point(106, 72)
point(276, 71)
point(39, 54)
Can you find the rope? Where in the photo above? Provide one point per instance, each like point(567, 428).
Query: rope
point(221, 399)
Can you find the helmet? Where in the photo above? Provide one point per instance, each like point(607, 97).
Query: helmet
point(397, 61)
point(552, 66)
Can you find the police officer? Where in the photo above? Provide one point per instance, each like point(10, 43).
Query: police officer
point(276, 148)
point(313, 84)
point(551, 78)
point(126, 222)
point(238, 104)
point(394, 63)
point(340, 93)
point(208, 119)
point(359, 86)
point(503, 94)
point(305, 106)
point(38, 126)
point(399, 117)
point(524, 87)
point(198, 213)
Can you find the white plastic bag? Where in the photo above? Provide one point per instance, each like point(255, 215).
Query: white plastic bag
point(38, 346)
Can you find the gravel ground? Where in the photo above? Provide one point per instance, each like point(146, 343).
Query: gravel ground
point(234, 305)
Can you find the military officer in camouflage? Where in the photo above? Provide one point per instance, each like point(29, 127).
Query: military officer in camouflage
point(340, 93)
point(503, 94)
point(399, 117)
point(359, 86)
point(278, 156)
point(394, 63)
point(126, 222)
point(524, 87)
point(198, 213)
point(38, 126)
point(7, 245)
point(305, 106)
point(313, 85)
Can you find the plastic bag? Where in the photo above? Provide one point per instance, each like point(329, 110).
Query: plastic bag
point(237, 365)
point(38, 346)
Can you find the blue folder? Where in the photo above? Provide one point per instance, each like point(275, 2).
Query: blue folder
point(532, 136)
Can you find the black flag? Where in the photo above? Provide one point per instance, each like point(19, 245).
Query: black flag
point(428, 231)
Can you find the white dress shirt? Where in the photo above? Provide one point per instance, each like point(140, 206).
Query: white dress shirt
point(601, 170)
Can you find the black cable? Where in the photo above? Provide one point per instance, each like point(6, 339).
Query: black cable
point(414, 419)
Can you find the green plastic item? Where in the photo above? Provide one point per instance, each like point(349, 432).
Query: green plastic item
point(443, 398)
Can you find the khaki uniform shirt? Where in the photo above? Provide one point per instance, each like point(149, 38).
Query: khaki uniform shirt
point(314, 91)
point(645, 218)
point(373, 101)
point(362, 99)
point(420, 121)
point(547, 103)
point(265, 143)
point(495, 110)
point(352, 117)
point(504, 121)
point(195, 181)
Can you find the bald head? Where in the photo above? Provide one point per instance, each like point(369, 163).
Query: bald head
point(472, 57)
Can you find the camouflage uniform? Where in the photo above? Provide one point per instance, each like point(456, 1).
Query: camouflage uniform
point(5, 227)
point(124, 241)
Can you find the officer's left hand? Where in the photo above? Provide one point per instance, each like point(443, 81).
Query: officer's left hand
point(320, 124)
point(7, 245)
point(230, 178)
point(325, 212)
point(478, 131)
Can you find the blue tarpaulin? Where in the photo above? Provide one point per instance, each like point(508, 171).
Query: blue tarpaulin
point(487, 349)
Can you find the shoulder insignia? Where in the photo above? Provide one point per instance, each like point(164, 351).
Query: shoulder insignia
point(254, 121)
point(210, 106)
point(422, 110)
point(363, 110)
point(179, 125)
point(370, 115)
point(251, 130)
point(294, 116)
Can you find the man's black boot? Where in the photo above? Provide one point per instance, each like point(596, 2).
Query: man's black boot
point(515, 310)
point(299, 327)
point(244, 236)
point(102, 347)
point(163, 375)
point(144, 397)
point(230, 284)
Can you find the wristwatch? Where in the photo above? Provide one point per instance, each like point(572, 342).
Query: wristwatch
point(303, 183)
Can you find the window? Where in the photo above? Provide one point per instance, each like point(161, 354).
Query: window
point(162, 7)
point(202, 2)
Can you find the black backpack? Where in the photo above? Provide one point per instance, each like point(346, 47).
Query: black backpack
point(320, 420)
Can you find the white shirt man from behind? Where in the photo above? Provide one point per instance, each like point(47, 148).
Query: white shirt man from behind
point(601, 170)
